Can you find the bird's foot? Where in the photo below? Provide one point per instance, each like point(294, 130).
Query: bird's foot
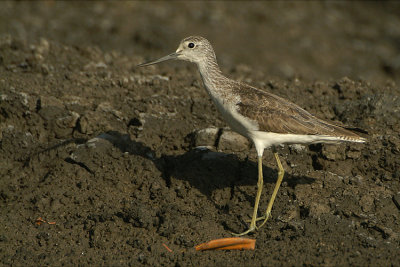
point(265, 217)
point(250, 230)
point(262, 218)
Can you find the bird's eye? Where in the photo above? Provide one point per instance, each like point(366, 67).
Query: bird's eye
point(191, 45)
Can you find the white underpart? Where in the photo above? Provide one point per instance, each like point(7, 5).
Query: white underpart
point(263, 140)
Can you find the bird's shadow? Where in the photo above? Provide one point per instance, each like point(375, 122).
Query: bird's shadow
point(203, 169)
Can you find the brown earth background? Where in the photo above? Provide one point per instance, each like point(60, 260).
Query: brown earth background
point(125, 159)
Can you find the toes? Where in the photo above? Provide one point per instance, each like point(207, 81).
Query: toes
point(251, 229)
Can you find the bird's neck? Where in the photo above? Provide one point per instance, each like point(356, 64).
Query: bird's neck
point(212, 75)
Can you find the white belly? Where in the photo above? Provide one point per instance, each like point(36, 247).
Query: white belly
point(263, 140)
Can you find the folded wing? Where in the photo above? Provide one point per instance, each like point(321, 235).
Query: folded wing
point(277, 115)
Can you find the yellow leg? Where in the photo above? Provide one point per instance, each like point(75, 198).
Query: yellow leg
point(260, 182)
point(281, 172)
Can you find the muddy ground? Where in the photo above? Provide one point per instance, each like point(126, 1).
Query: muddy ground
point(120, 160)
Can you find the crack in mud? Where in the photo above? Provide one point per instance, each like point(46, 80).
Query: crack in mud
point(81, 164)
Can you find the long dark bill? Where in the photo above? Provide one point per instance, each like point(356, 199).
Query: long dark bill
point(169, 57)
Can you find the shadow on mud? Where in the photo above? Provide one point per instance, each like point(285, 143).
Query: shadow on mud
point(204, 169)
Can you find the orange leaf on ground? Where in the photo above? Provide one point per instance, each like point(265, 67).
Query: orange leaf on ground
point(39, 221)
point(229, 243)
point(170, 250)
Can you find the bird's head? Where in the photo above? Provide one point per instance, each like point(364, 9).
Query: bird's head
point(194, 49)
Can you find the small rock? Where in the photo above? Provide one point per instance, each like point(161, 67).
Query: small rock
point(68, 121)
point(43, 46)
point(366, 202)
point(206, 137)
point(83, 125)
point(63, 125)
point(232, 141)
point(89, 123)
point(123, 82)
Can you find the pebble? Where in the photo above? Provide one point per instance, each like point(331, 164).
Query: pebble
point(367, 203)
point(206, 137)
point(230, 140)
